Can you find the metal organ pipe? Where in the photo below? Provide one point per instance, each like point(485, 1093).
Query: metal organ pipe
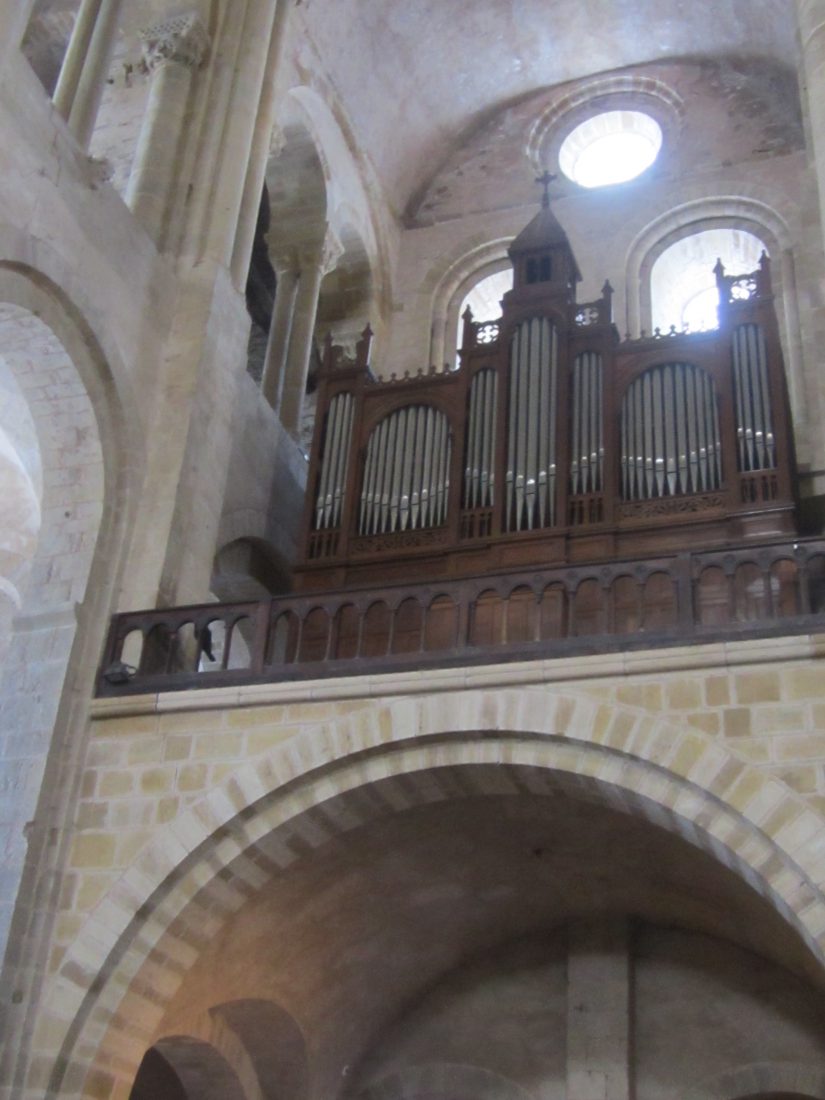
point(530, 481)
point(587, 443)
point(479, 480)
point(406, 473)
point(756, 442)
point(335, 462)
point(670, 442)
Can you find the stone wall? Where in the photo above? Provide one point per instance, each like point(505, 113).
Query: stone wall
point(185, 794)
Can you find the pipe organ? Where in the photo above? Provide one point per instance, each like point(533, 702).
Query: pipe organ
point(553, 442)
point(670, 442)
point(406, 479)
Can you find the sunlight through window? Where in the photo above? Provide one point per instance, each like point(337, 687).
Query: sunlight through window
point(485, 299)
point(682, 283)
point(612, 147)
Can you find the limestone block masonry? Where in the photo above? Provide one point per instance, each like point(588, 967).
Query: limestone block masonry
point(720, 744)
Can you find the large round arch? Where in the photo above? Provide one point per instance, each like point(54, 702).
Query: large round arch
point(64, 359)
point(209, 862)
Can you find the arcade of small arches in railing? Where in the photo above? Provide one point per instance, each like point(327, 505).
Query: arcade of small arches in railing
point(753, 591)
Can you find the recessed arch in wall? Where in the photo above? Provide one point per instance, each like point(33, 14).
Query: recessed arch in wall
point(255, 841)
point(347, 208)
point(248, 568)
point(682, 282)
point(451, 284)
point(318, 199)
point(81, 428)
point(182, 1068)
point(69, 456)
point(347, 294)
point(484, 298)
point(730, 212)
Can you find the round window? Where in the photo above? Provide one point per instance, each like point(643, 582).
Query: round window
point(611, 147)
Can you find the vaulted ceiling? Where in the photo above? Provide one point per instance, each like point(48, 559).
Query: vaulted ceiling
point(414, 77)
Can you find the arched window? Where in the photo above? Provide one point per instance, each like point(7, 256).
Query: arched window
point(610, 147)
point(484, 299)
point(682, 282)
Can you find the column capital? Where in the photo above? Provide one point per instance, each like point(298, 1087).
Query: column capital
point(323, 254)
point(182, 39)
point(284, 258)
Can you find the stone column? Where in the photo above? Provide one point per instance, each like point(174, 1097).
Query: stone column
point(265, 141)
point(173, 50)
point(272, 381)
point(811, 19)
point(315, 263)
point(598, 1011)
point(86, 65)
point(811, 25)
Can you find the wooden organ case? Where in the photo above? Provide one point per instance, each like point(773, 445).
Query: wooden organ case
point(552, 442)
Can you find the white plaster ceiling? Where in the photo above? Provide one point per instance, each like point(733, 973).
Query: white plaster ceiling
point(414, 76)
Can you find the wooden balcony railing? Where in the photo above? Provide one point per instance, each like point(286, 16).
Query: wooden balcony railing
point(762, 590)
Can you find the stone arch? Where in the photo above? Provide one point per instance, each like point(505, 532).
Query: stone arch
point(33, 306)
point(68, 461)
point(621, 90)
point(273, 1047)
point(202, 1071)
point(248, 568)
point(684, 220)
point(297, 178)
point(37, 285)
point(208, 862)
point(349, 205)
point(762, 1079)
point(311, 142)
point(450, 284)
point(729, 212)
point(346, 302)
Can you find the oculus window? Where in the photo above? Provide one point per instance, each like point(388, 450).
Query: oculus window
point(611, 147)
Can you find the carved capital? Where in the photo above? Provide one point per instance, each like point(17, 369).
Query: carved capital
point(323, 254)
point(284, 259)
point(182, 39)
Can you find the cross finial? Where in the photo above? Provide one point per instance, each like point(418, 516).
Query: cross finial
point(545, 179)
